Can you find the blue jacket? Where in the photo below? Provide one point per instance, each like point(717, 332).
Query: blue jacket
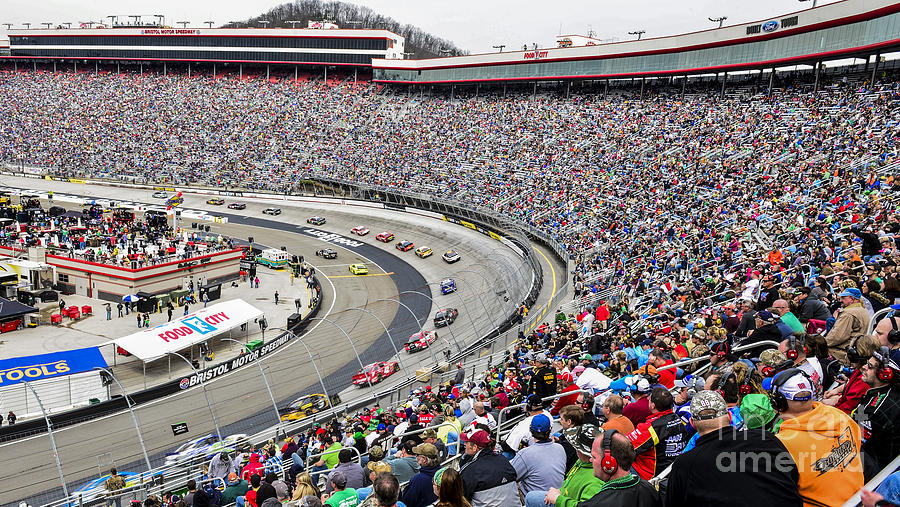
point(419, 492)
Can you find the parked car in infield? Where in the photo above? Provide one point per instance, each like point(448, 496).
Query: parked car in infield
point(448, 285)
point(272, 211)
point(375, 373)
point(237, 205)
point(450, 256)
point(420, 341)
point(216, 201)
point(359, 269)
point(304, 406)
point(445, 317)
point(360, 230)
point(405, 246)
point(385, 237)
point(424, 251)
point(317, 220)
point(202, 449)
point(326, 253)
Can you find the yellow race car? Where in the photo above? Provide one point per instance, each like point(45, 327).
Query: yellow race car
point(304, 406)
point(359, 269)
point(424, 251)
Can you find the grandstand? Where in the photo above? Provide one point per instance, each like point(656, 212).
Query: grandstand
point(697, 222)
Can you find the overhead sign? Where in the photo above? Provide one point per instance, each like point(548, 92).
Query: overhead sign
point(179, 428)
point(194, 328)
point(241, 360)
point(44, 366)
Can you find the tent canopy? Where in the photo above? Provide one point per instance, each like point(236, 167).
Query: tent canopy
point(11, 308)
point(196, 327)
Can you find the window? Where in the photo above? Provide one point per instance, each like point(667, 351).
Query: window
point(62, 278)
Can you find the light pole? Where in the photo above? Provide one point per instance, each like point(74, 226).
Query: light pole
point(133, 417)
point(48, 25)
point(480, 299)
point(27, 26)
point(205, 393)
point(263, 373)
point(59, 469)
point(209, 24)
point(7, 25)
point(638, 33)
point(813, 1)
point(426, 296)
point(293, 23)
point(358, 359)
point(68, 24)
point(183, 24)
point(499, 47)
point(264, 23)
point(113, 20)
point(390, 337)
point(311, 360)
point(718, 20)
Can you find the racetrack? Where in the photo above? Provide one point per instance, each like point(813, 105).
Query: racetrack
point(241, 403)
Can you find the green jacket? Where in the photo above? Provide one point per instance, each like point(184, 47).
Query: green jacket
point(580, 485)
point(233, 491)
point(792, 322)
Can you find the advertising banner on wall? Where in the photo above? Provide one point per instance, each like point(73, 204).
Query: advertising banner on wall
point(45, 366)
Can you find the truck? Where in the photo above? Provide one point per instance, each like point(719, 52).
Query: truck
point(273, 258)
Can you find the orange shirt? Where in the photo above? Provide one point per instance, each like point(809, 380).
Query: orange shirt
point(825, 444)
point(621, 424)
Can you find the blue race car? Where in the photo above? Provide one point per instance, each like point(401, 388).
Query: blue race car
point(448, 285)
point(204, 448)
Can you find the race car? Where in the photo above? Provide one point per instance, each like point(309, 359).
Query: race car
point(374, 373)
point(202, 449)
point(272, 211)
point(385, 237)
point(450, 256)
point(160, 195)
point(359, 230)
point(237, 205)
point(445, 317)
point(315, 220)
point(304, 406)
point(448, 285)
point(359, 269)
point(216, 201)
point(420, 341)
point(326, 253)
point(405, 246)
point(424, 251)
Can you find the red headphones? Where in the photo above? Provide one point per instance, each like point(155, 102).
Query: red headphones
point(885, 373)
point(768, 371)
point(793, 351)
point(608, 464)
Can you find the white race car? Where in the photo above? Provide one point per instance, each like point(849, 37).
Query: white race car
point(204, 448)
point(360, 230)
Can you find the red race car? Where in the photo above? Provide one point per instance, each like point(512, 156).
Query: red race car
point(385, 237)
point(420, 341)
point(375, 373)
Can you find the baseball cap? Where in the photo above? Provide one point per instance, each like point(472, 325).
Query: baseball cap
point(541, 358)
point(378, 467)
point(883, 355)
point(439, 475)
point(540, 424)
point(851, 292)
point(477, 436)
point(756, 410)
point(429, 433)
point(427, 450)
point(771, 357)
point(796, 388)
point(376, 453)
point(642, 385)
point(381, 427)
point(766, 316)
point(587, 357)
point(535, 401)
point(582, 437)
point(565, 377)
point(339, 479)
point(233, 479)
point(579, 369)
point(647, 343)
point(708, 405)
point(720, 348)
point(691, 382)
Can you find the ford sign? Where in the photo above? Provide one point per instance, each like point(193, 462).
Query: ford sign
point(770, 26)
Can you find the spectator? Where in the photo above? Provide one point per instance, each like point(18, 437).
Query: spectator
point(304, 487)
point(113, 486)
point(660, 439)
point(541, 465)
point(612, 409)
point(848, 392)
point(366, 494)
point(816, 436)
point(888, 333)
point(448, 487)
point(250, 496)
point(521, 436)
point(387, 490)
point(754, 463)
point(266, 489)
point(612, 455)
point(488, 478)
point(571, 416)
point(543, 382)
point(851, 323)
point(430, 436)
point(566, 385)
point(783, 309)
point(794, 348)
point(221, 465)
point(253, 467)
point(342, 496)
point(404, 464)
point(234, 488)
point(586, 402)
point(879, 409)
point(352, 471)
point(810, 307)
point(420, 490)
point(580, 483)
point(638, 410)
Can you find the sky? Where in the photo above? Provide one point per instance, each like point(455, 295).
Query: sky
point(472, 25)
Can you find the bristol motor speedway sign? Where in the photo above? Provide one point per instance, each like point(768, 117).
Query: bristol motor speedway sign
point(241, 360)
point(189, 330)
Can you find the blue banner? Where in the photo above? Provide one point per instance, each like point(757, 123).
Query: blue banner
point(44, 366)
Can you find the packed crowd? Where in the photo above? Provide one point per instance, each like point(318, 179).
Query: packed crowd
point(758, 233)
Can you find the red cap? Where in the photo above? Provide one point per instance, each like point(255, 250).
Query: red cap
point(477, 436)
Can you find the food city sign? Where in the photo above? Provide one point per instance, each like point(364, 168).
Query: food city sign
point(194, 328)
point(44, 366)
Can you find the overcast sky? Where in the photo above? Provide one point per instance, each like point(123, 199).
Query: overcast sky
point(474, 25)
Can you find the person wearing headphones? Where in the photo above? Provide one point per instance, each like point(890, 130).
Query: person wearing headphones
point(879, 409)
point(699, 479)
point(847, 394)
point(888, 333)
point(823, 441)
point(612, 455)
point(794, 349)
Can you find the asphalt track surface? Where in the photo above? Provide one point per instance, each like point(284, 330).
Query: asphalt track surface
point(240, 401)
